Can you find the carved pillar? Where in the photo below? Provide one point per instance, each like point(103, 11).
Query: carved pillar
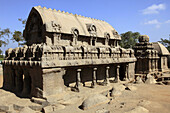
point(106, 81)
point(126, 72)
point(78, 79)
point(156, 65)
point(150, 64)
point(117, 73)
point(91, 40)
point(153, 63)
point(94, 78)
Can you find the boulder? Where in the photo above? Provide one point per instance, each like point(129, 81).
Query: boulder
point(117, 90)
point(48, 109)
point(40, 101)
point(27, 110)
point(4, 108)
point(115, 93)
point(94, 100)
point(36, 107)
point(119, 87)
point(138, 109)
point(17, 107)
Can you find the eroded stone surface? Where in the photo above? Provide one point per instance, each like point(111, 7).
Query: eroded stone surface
point(40, 101)
point(94, 100)
point(4, 108)
point(115, 93)
point(27, 110)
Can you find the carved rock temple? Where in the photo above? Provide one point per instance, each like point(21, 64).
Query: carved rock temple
point(147, 57)
point(152, 58)
point(63, 49)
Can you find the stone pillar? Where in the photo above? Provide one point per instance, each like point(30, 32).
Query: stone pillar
point(153, 65)
point(150, 66)
point(126, 72)
point(156, 65)
point(106, 80)
point(117, 73)
point(78, 80)
point(94, 78)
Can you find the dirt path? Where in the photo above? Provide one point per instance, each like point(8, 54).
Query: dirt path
point(155, 98)
point(158, 95)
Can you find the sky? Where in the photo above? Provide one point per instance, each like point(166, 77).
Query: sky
point(148, 17)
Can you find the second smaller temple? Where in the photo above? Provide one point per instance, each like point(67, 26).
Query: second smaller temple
point(147, 57)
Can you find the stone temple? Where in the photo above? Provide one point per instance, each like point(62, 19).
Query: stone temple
point(63, 49)
point(147, 57)
point(151, 57)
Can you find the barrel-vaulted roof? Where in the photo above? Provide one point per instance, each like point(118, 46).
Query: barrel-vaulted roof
point(162, 50)
point(69, 21)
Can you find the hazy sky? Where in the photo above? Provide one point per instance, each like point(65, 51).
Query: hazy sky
point(151, 17)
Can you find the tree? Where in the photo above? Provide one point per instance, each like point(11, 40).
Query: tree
point(166, 43)
point(4, 37)
point(129, 39)
point(18, 35)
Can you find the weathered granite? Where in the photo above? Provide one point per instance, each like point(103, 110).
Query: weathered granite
point(62, 48)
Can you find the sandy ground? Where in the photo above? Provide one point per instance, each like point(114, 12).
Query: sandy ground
point(155, 98)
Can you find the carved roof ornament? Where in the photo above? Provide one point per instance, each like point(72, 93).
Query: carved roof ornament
point(115, 32)
point(75, 32)
point(56, 27)
point(92, 29)
point(144, 38)
point(107, 35)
